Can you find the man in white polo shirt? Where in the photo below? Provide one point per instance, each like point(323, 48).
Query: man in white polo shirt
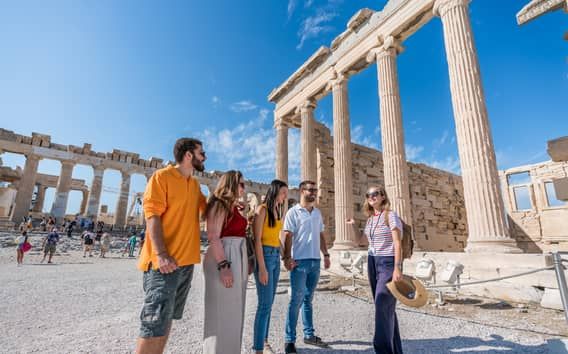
point(305, 239)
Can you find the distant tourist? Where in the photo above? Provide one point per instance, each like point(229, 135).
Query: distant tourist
point(305, 239)
point(267, 225)
point(49, 245)
point(105, 244)
point(88, 240)
point(172, 203)
point(22, 247)
point(225, 267)
point(384, 232)
point(132, 241)
point(43, 224)
point(50, 223)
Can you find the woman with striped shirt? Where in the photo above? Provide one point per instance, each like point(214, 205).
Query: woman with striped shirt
point(384, 232)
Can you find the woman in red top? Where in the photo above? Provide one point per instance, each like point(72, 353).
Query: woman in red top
point(225, 268)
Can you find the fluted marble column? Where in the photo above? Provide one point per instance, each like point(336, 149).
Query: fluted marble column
point(95, 192)
point(62, 192)
point(485, 212)
point(281, 151)
point(342, 168)
point(309, 158)
point(392, 131)
point(40, 198)
point(25, 189)
point(122, 205)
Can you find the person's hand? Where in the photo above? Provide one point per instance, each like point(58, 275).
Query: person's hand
point(226, 276)
point(166, 263)
point(263, 276)
point(350, 221)
point(289, 264)
point(396, 275)
point(326, 262)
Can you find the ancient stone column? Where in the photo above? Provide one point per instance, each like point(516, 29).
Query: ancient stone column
point(62, 192)
point(95, 192)
point(84, 201)
point(281, 151)
point(309, 159)
point(25, 189)
point(392, 132)
point(122, 205)
point(485, 213)
point(342, 170)
point(40, 198)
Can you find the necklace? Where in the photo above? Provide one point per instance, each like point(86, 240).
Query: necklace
point(373, 229)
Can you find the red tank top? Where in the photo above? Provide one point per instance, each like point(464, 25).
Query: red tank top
point(236, 225)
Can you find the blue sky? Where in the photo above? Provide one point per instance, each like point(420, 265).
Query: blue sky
point(136, 75)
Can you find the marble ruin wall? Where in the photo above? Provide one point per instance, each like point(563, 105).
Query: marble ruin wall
point(537, 220)
point(438, 209)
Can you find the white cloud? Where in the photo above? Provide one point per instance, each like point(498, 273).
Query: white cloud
point(413, 152)
point(358, 137)
point(313, 26)
point(215, 99)
point(250, 147)
point(441, 140)
point(291, 7)
point(243, 106)
point(450, 164)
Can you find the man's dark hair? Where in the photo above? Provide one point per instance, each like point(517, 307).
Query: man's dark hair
point(303, 184)
point(184, 145)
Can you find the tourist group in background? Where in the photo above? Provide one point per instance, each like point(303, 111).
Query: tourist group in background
point(239, 248)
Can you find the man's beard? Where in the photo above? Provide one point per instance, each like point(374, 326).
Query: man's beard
point(198, 165)
point(310, 198)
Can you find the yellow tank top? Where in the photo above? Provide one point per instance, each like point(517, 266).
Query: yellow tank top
point(271, 235)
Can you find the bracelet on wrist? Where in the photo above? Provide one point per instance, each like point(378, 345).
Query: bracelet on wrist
point(326, 255)
point(223, 264)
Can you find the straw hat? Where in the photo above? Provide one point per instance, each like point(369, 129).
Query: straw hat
point(409, 291)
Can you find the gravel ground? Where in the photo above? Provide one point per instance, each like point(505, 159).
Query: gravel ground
point(91, 305)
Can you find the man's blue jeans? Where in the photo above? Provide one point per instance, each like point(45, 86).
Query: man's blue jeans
point(303, 280)
point(265, 294)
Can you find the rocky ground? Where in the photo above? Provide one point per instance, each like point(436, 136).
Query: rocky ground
point(91, 305)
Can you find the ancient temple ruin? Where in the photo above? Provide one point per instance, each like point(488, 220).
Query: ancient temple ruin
point(447, 212)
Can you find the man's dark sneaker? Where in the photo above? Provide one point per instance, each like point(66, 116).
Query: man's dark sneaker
point(315, 340)
point(290, 348)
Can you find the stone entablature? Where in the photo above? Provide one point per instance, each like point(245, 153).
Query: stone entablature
point(537, 8)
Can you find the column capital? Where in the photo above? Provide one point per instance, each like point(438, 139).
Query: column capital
point(307, 105)
point(69, 163)
point(390, 47)
point(441, 7)
point(280, 123)
point(33, 157)
point(125, 174)
point(98, 167)
point(339, 79)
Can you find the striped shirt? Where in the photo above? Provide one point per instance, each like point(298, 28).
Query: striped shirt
point(380, 235)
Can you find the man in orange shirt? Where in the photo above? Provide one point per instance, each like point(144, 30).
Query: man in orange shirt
point(172, 204)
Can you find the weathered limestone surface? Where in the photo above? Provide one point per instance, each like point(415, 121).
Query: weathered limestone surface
point(40, 198)
point(122, 205)
point(95, 192)
point(342, 170)
point(63, 187)
point(281, 152)
point(25, 188)
point(392, 131)
point(543, 227)
point(485, 212)
point(308, 161)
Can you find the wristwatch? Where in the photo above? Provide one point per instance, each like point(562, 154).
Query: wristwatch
point(326, 255)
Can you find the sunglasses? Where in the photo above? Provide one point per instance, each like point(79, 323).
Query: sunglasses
point(242, 185)
point(374, 194)
point(311, 190)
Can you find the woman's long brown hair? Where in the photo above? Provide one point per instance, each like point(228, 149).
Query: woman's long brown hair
point(225, 195)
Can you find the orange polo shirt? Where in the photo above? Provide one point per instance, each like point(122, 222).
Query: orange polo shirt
point(177, 201)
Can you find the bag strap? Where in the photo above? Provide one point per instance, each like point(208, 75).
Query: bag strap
point(386, 218)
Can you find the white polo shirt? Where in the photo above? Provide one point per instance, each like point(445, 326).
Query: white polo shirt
point(305, 227)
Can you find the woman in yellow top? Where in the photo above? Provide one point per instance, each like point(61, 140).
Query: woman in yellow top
point(267, 225)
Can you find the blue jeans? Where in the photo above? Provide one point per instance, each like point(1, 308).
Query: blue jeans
point(265, 294)
point(303, 280)
point(387, 335)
